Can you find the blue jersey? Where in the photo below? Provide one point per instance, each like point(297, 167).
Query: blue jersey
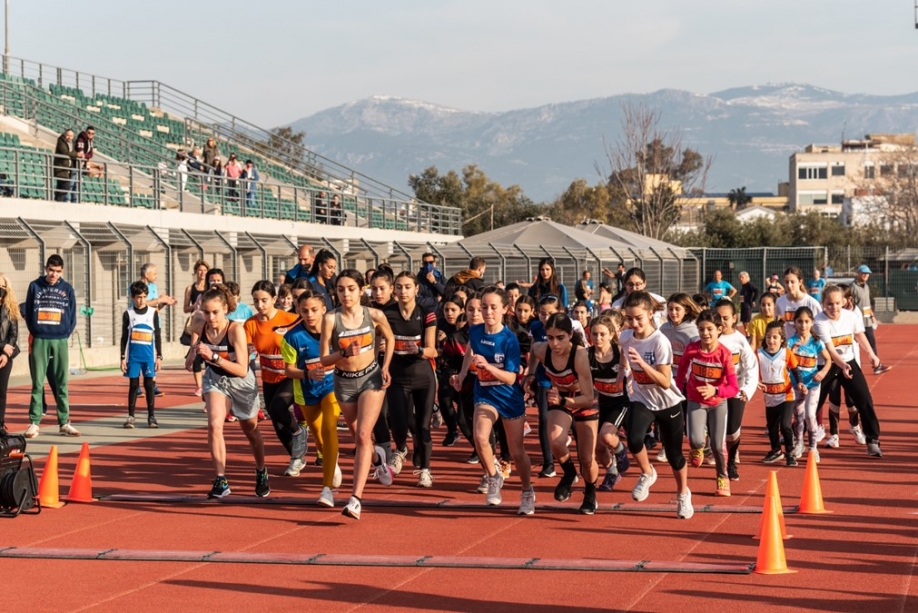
point(242, 312)
point(816, 286)
point(503, 351)
point(141, 337)
point(301, 348)
point(718, 289)
point(808, 356)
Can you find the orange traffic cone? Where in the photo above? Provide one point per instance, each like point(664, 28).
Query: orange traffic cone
point(81, 487)
point(48, 489)
point(811, 497)
point(772, 492)
point(771, 560)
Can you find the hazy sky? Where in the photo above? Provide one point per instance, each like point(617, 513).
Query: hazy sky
point(274, 61)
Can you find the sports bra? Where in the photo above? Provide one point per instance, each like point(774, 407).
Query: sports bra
point(364, 335)
point(605, 374)
point(223, 348)
point(564, 379)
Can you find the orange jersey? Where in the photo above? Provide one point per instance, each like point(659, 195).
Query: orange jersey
point(266, 337)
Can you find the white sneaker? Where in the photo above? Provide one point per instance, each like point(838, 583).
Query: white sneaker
point(832, 441)
point(69, 430)
point(31, 431)
point(495, 483)
point(820, 432)
point(326, 498)
point(397, 460)
point(295, 467)
point(642, 489)
point(424, 478)
point(483, 484)
point(684, 508)
point(814, 453)
point(383, 472)
point(527, 502)
point(352, 509)
point(858, 433)
point(661, 457)
point(336, 480)
point(798, 449)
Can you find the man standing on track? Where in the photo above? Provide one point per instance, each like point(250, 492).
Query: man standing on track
point(305, 255)
point(149, 275)
point(860, 292)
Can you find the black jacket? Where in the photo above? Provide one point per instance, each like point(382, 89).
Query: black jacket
point(9, 331)
point(65, 157)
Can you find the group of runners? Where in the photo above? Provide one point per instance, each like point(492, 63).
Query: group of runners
point(645, 371)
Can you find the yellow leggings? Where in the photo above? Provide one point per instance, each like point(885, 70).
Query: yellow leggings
point(322, 421)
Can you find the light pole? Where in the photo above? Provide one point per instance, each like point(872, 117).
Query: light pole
point(6, 37)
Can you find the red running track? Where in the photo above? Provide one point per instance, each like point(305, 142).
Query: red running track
point(859, 558)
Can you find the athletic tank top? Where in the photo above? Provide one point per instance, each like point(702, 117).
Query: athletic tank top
point(605, 374)
point(565, 378)
point(223, 348)
point(408, 332)
point(141, 328)
point(196, 293)
point(775, 376)
point(364, 335)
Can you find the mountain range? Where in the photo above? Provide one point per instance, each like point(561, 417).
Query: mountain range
point(749, 131)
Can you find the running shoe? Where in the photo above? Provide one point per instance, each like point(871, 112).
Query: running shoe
point(299, 443)
point(139, 393)
point(548, 471)
point(527, 429)
point(642, 489)
point(129, 422)
point(261, 415)
point(775, 455)
point(231, 418)
point(295, 467)
point(483, 484)
point(451, 439)
point(798, 449)
point(527, 502)
point(384, 472)
point(588, 506)
point(495, 484)
point(696, 457)
point(622, 462)
point(709, 457)
point(814, 453)
point(326, 498)
point(873, 450)
point(152, 423)
point(436, 421)
point(832, 441)
point(732, 472)
point(397, 461)
point(352, 508)
point(424, 478)
point(31, 431)
point(473, 458)
point(220, 488)
point(610, 481)
point(858, 433)
point(505, 468)
point(791, 460)
point(336, 480)
point(684, 508)
point(319, 460)
point(198, 392)
point(68, 430)
point(158, 392)
point(661, 457)
point(879, 370)
point(820, 432)
point(723, 487)
point(563, 489)
point(262, 485)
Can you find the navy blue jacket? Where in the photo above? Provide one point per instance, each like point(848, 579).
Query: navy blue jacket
point(50, 310)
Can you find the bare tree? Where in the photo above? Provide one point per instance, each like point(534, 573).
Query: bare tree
point(651, 176)
point(889, 196)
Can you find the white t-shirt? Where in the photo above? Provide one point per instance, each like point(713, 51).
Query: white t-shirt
point(655, 350)
point(840, 332)
point(659, 317)
point(785, 307)
point(744, 360)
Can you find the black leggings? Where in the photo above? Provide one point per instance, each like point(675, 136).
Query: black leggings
point(835, 400)
point(4, 385)
point(735, 410)
point(133, 386)
point(859, 392)
point(670, 428)
point(446, 397)
point(779, 417)
point(411, 398)
point(278, 398)
point(541, 398)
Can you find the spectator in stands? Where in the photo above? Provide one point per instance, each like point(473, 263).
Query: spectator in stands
point(321, 213)
point(250, 176)
point(195, 162)
point(181, 168)
point(431, 284)
point(749, 294)
point(216, 172)
point(210, 154)
point(50, 314)
point(305, 255)
point(472, 276)
point(85, 148)
point(65, 160)
point(232, 171)
point(335, 212)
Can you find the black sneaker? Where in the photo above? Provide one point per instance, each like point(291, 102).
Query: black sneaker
point(548, 471)
point(451, 439)
point(473, 459)
point(732, 472)
point(649, 442)
point(262, 487)
point(563, 489)
point(318, 461)
point(152, 423)
point(791, 460)
point(773, 456)
point(589, 503)
point(158, 392)
point(220, 489)
point(139, 393)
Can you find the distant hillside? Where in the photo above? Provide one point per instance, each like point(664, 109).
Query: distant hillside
point(750, 131)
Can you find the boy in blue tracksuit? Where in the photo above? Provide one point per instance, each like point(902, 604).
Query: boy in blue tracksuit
point(50, 314)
